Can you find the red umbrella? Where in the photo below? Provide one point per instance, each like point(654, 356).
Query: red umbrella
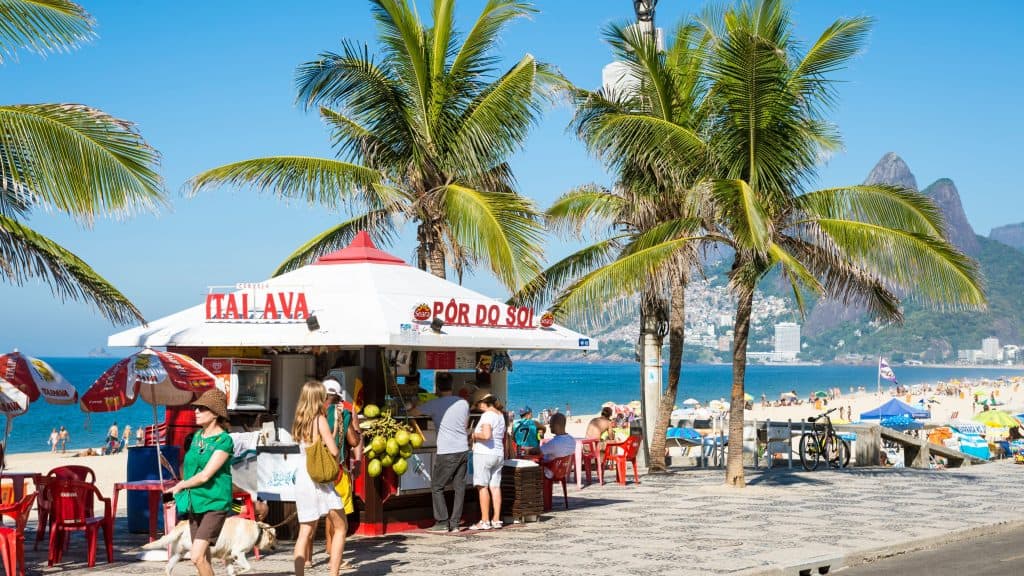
point(160, 378)
point(36, 378)
point(23, 380)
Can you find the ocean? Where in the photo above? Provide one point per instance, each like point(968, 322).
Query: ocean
point(580, 386)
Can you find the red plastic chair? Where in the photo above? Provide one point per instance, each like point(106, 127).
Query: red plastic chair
point(247, 510)
point(72, 505)
point(558, 470)
point(591, 455)
point(71, 472)
point(620, 453)
point(12, 540)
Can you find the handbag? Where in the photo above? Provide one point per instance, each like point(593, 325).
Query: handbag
point(320, 464)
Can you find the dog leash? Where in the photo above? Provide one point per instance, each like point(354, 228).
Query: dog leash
point(287, 519)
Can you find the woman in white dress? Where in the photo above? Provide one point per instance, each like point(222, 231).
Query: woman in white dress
point(314, 501)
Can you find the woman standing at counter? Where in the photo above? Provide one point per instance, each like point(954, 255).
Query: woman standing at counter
point(204, 496)
point(313, 500)
point(488, 455)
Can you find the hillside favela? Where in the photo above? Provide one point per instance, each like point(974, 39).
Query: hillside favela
point(467, 287)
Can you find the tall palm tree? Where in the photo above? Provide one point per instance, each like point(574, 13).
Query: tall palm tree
point(68, 158)
point(858, 244)
point(648, 134)
point(423, 132)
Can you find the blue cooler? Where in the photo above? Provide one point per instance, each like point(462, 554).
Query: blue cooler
point(142, 465)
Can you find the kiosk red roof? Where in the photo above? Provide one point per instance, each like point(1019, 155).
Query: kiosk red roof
point(360, 250)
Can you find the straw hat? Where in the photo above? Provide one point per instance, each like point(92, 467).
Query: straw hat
point(481, 394)
point(215, 401)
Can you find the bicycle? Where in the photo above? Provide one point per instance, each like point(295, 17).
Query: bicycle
point(822, 443)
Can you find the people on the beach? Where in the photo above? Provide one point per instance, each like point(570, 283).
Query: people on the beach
point(204, 493)
point(112, 433)
point(450, 415)
point(600, 427)
point(140, 436)
point(488, 456)
point(315, 500)
point(63, 436)
point(54, 440)
point(127, 437)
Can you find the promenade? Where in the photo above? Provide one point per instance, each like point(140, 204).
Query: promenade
point(685, 522)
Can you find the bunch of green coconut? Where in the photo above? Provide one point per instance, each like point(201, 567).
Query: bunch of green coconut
point(388, 443)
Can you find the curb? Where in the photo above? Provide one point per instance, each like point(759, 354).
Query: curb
point(839, 560)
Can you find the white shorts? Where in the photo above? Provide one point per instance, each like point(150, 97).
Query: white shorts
point(487, 470)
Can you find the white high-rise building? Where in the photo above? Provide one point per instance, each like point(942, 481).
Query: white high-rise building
point(991, 349)
point(787, 339)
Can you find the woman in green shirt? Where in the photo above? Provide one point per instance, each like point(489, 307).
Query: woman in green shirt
point(204, 496)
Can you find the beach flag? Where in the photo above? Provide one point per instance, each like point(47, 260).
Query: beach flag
point(885, 372)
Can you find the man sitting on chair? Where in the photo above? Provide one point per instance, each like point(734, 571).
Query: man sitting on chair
point(562, 444)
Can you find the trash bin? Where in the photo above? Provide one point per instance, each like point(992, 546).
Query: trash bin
point(142, 465)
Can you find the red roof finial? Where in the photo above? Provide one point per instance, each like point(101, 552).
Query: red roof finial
point(361, 250)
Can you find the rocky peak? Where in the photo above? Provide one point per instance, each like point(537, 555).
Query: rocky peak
point(892, 170)
point(960, 232)
point(1011, 235)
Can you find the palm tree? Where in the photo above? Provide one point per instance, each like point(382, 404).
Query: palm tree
point(65, 157)
point(649, 135)
point(423, 132)
point(858, 244)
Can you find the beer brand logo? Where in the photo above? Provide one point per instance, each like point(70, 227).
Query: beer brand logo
point(547, 320)
point(421, 312)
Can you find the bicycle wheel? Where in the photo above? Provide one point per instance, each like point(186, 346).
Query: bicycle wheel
point(838, 455)
point(849, 451)
point(810, 451)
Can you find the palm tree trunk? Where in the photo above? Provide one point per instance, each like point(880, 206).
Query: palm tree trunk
point(734, 463)
point(430, 251)
point(676, 325)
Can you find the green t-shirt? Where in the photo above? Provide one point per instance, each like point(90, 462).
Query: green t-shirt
point(215, 494)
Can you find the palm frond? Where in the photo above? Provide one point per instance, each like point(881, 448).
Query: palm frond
point(544, 287)
point(24, 254)
point(930, 268)
point(889, 206)
point(477, 55)
point(502, 229)
point(590, 205)
point(836, 46)
point(377, 223)
point(747, 220)
point(315, 180)
point(78, 160)
point(42, 26)
point(404, 42)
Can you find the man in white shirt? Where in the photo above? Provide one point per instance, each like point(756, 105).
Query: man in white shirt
point(451, 420)
point(562, 444)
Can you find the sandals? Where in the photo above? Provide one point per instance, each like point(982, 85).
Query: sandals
point(346, 566)
point(481, 525)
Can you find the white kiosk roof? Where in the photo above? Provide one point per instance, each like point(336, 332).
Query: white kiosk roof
point(359, 296)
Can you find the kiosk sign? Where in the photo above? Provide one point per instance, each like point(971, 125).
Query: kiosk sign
point(257, 303)
point(456, 313)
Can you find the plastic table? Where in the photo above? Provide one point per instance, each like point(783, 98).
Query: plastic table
point(155, 488)
point(18, 481)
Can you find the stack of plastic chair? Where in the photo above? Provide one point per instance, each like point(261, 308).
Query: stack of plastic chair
point(246, 510)
point(12, 540)
point(45, 502)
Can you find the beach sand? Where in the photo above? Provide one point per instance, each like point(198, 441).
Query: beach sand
point(109, 469)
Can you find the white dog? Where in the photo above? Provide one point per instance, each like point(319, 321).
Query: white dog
point(238, 536)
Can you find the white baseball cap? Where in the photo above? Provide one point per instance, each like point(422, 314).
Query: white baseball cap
point(333, 387)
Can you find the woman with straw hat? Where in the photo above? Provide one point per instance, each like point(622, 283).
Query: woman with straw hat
point(204, 493)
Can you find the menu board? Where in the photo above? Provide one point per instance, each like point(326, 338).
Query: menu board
point(440, 359)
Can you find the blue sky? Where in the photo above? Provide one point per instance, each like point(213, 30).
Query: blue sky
point(212, 82)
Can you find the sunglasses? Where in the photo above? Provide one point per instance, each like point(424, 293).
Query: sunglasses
point(202, 408)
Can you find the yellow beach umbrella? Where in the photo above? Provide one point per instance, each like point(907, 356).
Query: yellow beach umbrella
point(996, 419)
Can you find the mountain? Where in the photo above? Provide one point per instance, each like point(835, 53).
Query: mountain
point(959, 230)
point(1011, 235)
point(892, 170)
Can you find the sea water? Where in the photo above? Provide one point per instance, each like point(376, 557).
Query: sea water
point(582, 387)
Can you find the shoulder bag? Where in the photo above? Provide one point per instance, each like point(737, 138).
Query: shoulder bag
point(320, 464)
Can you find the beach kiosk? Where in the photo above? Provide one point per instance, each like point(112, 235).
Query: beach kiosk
point(367, 318)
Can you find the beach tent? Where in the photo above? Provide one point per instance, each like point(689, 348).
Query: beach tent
point(901, 423)
point(357, 296)
point(895, 407)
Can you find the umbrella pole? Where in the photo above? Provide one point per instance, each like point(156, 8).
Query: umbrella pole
point(7, 435)
point(159, 458)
